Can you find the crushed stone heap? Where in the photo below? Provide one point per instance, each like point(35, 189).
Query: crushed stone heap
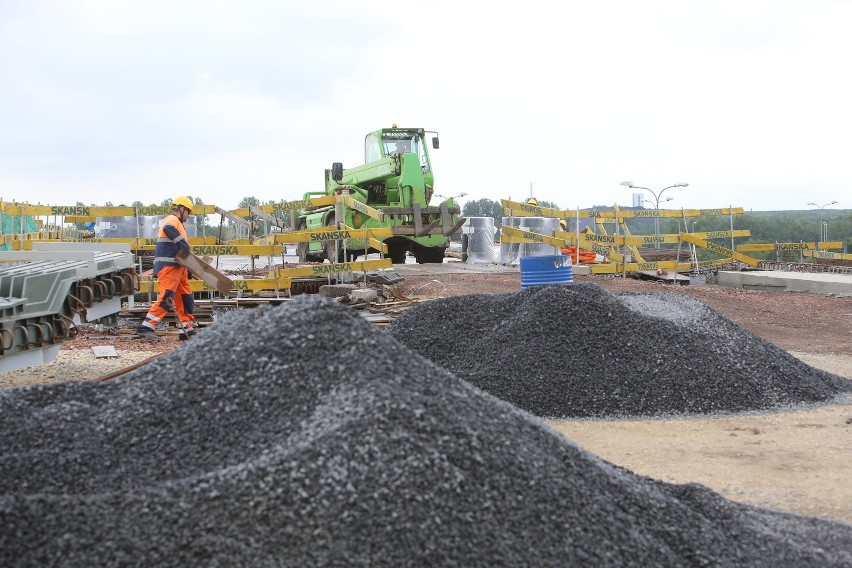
point(579, 351)
point(301, 435)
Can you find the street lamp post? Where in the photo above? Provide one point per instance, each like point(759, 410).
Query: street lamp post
point(452, 197)
point(657, 218)
point(823, 225)
point(459, 196)
point(657, 196)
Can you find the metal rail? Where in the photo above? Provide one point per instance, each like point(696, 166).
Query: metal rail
point(45, 295)
point(805, 267)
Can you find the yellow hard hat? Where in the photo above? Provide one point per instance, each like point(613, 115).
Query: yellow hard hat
point(532, 201)
point(562, 223)
point(183, 201)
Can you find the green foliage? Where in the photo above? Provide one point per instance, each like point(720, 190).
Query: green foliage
point(773, 227)
point(765, 226)
point(484, 208)
point(283, 216)
point(776, 226)
point(248, 201)
point(200, 220)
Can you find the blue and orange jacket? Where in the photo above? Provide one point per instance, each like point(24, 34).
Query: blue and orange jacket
point(171, 238)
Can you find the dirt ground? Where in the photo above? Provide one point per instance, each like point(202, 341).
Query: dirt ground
point(798, 461)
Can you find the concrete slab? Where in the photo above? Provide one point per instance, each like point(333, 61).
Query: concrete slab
point(784, 281)
point(104, 351)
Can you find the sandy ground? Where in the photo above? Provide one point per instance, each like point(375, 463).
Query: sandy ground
point(799, 461)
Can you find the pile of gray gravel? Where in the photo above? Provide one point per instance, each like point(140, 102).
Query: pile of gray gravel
point(580, 351)
point(302, 436)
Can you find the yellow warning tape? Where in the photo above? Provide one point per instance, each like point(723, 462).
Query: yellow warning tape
point(769, 247)
point(826, 255)
point(147, 285)
point(720, 250)
point(335, 268)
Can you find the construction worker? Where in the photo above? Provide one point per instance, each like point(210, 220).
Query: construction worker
point(401, 148)
point(173, 278)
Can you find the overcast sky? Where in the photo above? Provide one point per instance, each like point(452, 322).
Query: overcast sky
point(750, 102)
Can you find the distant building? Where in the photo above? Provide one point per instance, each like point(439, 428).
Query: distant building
point(638, 198)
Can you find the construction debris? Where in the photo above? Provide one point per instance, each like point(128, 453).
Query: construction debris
point(104, 351)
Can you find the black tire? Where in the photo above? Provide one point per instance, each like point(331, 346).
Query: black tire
point(397, 254)
point(429, 255)
point(302, 248)
point(329, 253)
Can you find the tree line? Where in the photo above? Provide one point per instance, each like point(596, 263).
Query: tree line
point(765, 226)
point(790, 226)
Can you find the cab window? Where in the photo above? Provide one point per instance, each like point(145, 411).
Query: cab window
point(396, 145)
point(371, 149)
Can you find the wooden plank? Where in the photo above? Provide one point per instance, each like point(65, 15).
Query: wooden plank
point(266, 217)
point(235, 218)
point(205, 272)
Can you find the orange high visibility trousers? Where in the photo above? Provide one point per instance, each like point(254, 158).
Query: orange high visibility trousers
point(174, 288)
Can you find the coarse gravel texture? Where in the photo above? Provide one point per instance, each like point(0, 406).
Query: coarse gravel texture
point(275, 453)
point(73, 365)
point(795, 321)
point(581, 351)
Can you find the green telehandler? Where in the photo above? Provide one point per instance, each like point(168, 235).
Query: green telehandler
point(392, 189)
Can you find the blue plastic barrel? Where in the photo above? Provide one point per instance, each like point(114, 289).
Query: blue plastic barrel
point(545, 270)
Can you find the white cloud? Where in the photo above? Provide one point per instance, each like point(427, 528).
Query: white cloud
point(747, 101)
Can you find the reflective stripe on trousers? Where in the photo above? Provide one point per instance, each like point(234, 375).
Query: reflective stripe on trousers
point(174, 289)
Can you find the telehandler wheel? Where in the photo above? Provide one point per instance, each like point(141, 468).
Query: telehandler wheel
point(397, 254)
point(339, 257)
point(302, 248)
point(348, 257)
point(429, 255)
point(302, 251)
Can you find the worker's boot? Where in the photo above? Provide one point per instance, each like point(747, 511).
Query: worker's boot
point(147, 333)
point(188, 334)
